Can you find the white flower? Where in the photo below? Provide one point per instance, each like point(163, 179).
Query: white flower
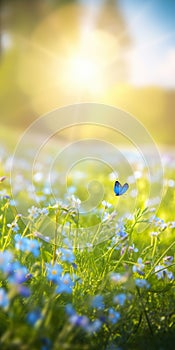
point(34, 212)
point(75, 202)
point(106, 204)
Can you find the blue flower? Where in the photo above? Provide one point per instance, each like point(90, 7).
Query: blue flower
point(66, 241)
point(54, 272)
point(27, 245)
point(17, 273)
point(168, 260)
point(33, 246)
point(66, 255)
point(93, 327)
point(97, 302)
point(65, 284)
point(142, 283)
point(44, 211)
point(5, 259)
point(139, 267)
point(4, 196)
point(157, 222)
point(84, 322)
point(120, 232)
point(113, 316)
point(120, 299)
point(162, 272)
point(4, 301)
point(21, 242)
point(81, 321)
point(13, 203)
point(132, 248)
point(34, 316)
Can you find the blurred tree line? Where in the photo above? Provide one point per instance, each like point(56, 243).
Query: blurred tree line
point(153, 106)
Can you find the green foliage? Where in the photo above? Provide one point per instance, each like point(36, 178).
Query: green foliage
point(114, 256)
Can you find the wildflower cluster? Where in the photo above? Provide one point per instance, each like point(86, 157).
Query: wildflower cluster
point(76, 280)
point(16, 275)
point(27, 245)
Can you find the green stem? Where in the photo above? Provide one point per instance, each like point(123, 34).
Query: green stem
point(7, 238)
point(99, 228)
point(97, 232)
point(55, 236)
point(4, 221)
point(145, 312)
point(77, 229)
point(121, 258)
point(160, 258)
point(26, 228)
point(154, 247)
point(131, 232)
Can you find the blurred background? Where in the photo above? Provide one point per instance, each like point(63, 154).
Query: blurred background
point(54, 53)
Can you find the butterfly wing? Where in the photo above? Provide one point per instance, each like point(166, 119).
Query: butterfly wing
point(124, 188)
point(117, 188)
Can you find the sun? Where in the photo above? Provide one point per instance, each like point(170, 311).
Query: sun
point(82, 72)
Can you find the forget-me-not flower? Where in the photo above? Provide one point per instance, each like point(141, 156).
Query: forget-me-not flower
point(162, 272)
point(113, 316)
point(120, 299)
point(5, 259)
point(66, 255)
point(27, 245)
point(34, 316)
point(138, 267)
point(54, 272)
point(65, 284)
point(142, 283)
point(98, 302)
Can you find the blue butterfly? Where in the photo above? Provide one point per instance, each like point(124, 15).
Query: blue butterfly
point(119, 189)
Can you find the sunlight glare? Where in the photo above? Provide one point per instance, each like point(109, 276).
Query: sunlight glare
point(82, 72)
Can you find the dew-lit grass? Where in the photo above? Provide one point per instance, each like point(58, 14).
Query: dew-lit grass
point(81, 268)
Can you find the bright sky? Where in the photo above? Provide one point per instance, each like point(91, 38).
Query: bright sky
point(82, 58)
point(151, 24)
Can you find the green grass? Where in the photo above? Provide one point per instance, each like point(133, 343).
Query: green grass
point(103, 245)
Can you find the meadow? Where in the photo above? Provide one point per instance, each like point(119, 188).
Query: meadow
point(85, 275)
